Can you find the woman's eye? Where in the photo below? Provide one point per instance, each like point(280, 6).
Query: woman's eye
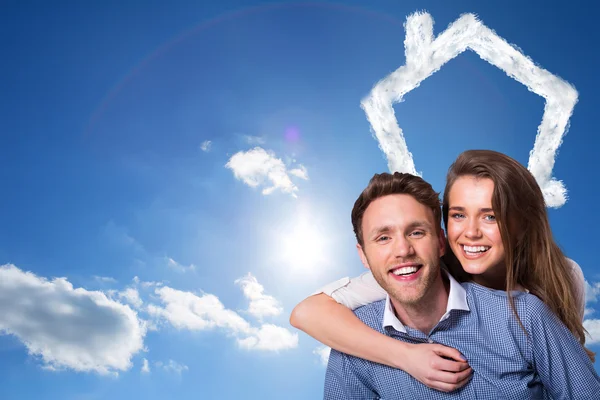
point(490, 218)
point(457, 215)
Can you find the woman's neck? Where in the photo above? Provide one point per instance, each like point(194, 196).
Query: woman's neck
point(496, 282)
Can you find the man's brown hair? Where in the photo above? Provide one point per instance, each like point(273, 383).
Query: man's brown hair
point(397, 183)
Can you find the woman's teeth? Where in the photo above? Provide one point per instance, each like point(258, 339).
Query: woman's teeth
point(473, 250)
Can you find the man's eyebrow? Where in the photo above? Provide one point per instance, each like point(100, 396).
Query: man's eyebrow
point(387, 228)
point(462, 209)
point(420, 224)
point(379, 230)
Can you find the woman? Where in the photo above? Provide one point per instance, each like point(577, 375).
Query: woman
point(498, 236)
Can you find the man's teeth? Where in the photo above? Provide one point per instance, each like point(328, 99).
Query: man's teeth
point(405, 270)
point(476, 249)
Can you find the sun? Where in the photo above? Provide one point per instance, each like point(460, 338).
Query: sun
point(302, 244)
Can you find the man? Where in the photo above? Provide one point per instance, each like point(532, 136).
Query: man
point(398, 228)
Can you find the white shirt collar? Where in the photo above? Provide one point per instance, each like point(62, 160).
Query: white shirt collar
point(457, 300)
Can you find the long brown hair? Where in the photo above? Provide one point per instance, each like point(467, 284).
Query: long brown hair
point(532, 257)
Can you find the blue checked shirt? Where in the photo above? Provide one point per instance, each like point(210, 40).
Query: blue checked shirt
point(548, 363)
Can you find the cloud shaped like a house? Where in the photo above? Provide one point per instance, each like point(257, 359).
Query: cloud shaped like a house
point(426, 55)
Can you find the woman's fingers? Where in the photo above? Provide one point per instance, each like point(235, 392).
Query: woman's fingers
point(443, 364)
point(449, 353)
point(449, 381)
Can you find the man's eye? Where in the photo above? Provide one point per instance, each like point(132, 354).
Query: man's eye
point(383, 238)
point(417, 233)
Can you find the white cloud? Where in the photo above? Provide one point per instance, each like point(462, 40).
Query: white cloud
point(179, 267)
point(270, 337)
point(66, 327)
point(592, 292)
point(261, 305)
point(588, 311)
point(206, 145)
point(132, 296)
point(593, 328)
point(185, 310)
point(426, 55)
point(300, 172)
point(145, 367)
point(323, 353)
point(258, 167)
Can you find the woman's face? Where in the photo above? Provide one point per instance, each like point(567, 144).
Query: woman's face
point(473, 233)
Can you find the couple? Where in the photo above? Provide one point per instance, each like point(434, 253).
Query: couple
point(511, 330)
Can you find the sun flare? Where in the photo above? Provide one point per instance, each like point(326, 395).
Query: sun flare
point(302, 244)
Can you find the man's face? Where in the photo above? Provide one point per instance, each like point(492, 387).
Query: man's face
point(402, 247)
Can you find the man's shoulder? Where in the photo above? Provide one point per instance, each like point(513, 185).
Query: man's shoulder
point(372, 313)
point(526, 304)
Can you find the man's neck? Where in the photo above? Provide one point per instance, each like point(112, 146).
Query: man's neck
point(428, 312)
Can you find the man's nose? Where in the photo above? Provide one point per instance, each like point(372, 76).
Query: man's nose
point(403, 247)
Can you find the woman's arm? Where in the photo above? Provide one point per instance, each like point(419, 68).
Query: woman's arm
point(579, 288)
point(356, 292)
point(336, 326)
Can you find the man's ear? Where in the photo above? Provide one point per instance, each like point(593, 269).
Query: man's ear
point(442, 240)
point(362, 256)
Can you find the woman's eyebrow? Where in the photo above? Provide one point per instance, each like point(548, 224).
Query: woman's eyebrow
point(462, 209)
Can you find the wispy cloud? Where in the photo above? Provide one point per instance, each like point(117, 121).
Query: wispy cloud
point(426, 55)
point(172, 366)
point(323, 353)
point(300, 172)
point(131, 296)
point(186, 310)
point(179, 267)
point(145, 367)
point(119, 236)
point(592, 291)
point(593, 328)
point(588, 311)
point(253, 140)
point(146, 284)
point(261, 305)
point(67, 327)
point(105, 279)
point(259, 167)
point(206, 146)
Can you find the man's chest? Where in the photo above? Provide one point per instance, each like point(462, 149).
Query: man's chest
point(500, 363)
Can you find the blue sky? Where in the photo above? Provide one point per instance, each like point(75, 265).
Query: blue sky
point(146, 250)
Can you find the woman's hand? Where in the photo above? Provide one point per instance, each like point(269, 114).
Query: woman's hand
point(436, 366)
